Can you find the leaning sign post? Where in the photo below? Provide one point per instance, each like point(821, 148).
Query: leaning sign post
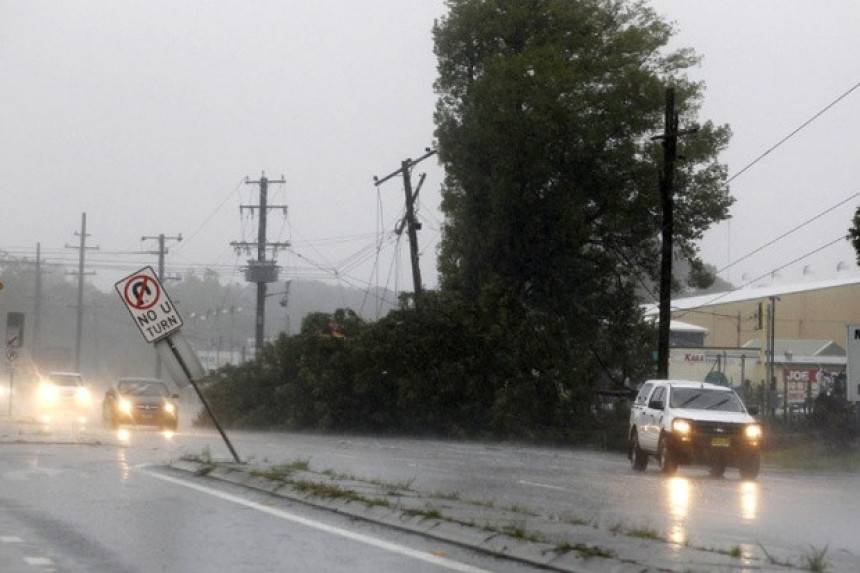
point(160, 324)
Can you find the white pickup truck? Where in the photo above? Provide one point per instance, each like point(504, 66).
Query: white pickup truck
point(683, 423)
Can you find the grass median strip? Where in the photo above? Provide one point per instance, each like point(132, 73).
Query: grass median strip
point(513, 521)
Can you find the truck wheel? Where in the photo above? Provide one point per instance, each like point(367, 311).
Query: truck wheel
point(638, 457)
point(666, 457)
point(750, 467)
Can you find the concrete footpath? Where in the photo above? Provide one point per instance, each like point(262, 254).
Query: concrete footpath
point(548, 542)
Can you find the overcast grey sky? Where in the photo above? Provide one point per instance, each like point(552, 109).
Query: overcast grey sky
point(148, 116)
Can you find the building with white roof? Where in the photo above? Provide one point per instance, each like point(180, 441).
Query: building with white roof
point(810, 326)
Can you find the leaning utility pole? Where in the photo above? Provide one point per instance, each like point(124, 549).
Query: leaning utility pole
point(162, 250)
point(412, 224)
point(667, 202)
point(261, 271)
point(82, 248)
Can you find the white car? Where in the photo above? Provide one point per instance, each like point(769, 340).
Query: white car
point(62, 395)
point(682, 422)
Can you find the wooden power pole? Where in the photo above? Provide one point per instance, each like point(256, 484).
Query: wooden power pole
point(161, 252)
point(82, 249)
point(261, 271)
point(667, 203)
point(412, 224)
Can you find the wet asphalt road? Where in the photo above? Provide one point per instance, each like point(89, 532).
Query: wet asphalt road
point(92, 499)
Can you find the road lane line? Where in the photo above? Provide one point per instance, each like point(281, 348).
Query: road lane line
point(281, 514)
point(543, 485)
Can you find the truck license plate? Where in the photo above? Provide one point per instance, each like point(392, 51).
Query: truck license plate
point(720, 442)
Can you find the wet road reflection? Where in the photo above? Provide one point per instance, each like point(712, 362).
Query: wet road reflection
point(749, 500)
point(124, 435)
point(681, 492)
point(679, 508)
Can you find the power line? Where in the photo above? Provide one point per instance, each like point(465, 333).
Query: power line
point(792, 134)
point(211, 215)
point(771, 150)
point(787, 233)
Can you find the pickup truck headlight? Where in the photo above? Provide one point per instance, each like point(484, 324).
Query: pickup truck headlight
point(124, 406)
point(169, 408)
point(681, 427)
point(753, 432)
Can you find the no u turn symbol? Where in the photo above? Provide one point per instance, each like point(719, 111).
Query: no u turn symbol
point(142, 292)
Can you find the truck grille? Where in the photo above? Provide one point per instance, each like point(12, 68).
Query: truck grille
point(717, 428)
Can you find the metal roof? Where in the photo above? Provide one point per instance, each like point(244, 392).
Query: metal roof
point(751, 294)
point(801, 348)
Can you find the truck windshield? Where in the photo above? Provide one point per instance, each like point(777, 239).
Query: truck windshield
point(705, 399)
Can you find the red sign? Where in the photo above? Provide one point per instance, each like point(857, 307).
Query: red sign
point(805, 375)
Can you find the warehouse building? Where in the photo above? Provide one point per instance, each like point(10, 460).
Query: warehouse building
point(723, 337)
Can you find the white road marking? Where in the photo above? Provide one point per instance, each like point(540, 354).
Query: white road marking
point(10, 539)
point(24, 475)
point(543, 485)
point(38, 561)
point(361, 538)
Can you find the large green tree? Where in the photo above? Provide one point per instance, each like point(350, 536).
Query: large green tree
point(545, 116)
point(854, 233)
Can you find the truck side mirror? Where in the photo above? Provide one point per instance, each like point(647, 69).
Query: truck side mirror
point(656, 404)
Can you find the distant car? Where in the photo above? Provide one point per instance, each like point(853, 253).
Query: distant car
point(141, 401)
point(62, 395)
point(683, 422)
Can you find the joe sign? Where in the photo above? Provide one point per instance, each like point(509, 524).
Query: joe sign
point(150, 307)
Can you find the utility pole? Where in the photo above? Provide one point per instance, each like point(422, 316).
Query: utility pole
point(411, 223)
point(37, 303)
point(82, 248)
point(261, 271)
point(667, 202)
point(771, 356)
point(162, 250)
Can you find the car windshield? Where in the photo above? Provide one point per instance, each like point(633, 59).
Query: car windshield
point(142, 388)
point(65, 380)
point(705, 399)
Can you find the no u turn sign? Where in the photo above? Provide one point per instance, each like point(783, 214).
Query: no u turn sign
point(148, 304)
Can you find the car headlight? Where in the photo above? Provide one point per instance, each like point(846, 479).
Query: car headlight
point(169, 408)
point(124, 406)
point(753, 432)
point(48, 393)
point(681, 427)
point(83, 395)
